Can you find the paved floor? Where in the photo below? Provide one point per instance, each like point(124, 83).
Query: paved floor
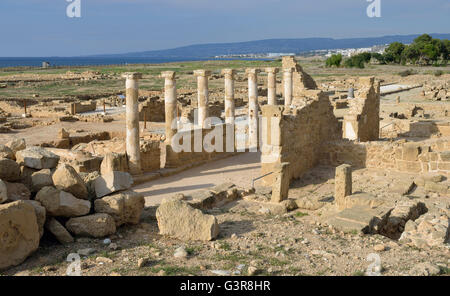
point(239, 169)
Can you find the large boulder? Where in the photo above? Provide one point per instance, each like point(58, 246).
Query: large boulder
point(97, 225)
point(67, 179)
point(17, 191)
point(178, 219)
point(37, 158)
point(125, 207)
point(41, 214)
point(112, 182)
point(19, 233)
point(6, 152)
point(62, 204)
point(114, 162)
point(41, 179)
point(59, 231)
point(25, 176)
point(9, 170)
point(16, 145)
point(3, 192)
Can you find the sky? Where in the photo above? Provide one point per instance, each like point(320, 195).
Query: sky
point(42, 28)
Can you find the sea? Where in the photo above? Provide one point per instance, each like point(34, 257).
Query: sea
point(92, 61)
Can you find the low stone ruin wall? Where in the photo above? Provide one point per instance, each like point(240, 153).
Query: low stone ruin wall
point(431, 156)
point(75, 108)
point(183, 157)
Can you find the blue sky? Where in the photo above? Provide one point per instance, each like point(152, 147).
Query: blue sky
point(41, 27)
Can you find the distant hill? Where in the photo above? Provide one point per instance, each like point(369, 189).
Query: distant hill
point(270, 46)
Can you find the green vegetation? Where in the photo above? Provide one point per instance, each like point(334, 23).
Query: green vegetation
point(335, 60)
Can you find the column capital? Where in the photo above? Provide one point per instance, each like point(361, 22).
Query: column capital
point(273, 70)
point(231, 72)
point(252, 71)
point(168, 74)
point(132, 75)
point(203, 73)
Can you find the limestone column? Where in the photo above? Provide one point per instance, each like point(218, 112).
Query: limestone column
point(229, 95)
point(288, 86)
point(272, 86)
point(202, 89)
point(132, 122)
point(170, 103)
point(252, 107)
point(343, 185)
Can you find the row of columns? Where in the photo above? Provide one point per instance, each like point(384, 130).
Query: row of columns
point(170, 99)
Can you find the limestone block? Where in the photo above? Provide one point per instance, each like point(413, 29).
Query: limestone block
point(41, 179)
point(280, 187)
point(97, 225)
point(59, 231)
point(41, 214)
point(67, 179)
point(37, 158)
point(342, 184)
point(6, 152)
point(125, 207)
point(9, 170)
point(114, 162)
point(16, 145)
point(3, 192)
point(62, 204)
point(19, 233)
point(180, 220)
point(112, 182)
point(17, 191)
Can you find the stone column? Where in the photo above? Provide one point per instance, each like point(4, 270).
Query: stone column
point(252, 107)
point(132, 122)
point(229, 95)
point(202, 89)
point(342, 185)
point(272, 86)
point(280, 187)
point(170, 103)
point(288, 86)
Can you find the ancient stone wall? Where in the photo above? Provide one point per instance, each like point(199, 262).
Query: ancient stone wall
point(195, 151)
point(153, 109)
point(301, 79)
point(362, 122)
point(296, 135)
point(430, 156)
point(82, 107)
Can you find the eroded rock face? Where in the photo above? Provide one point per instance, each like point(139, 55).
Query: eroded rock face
point(178, 219)
point(97, 225)
point(3, 192)
point(41, 179)
point(19, 233)
point(112, 182)
point(37, 158)
point(9, 170)
point(59, 231)
point(16, 145)
point(67, 179)
point(17, 191)
point(431, 229)
point(125, 207)
point(41, 214)
point(62, 204)
point(6, 152)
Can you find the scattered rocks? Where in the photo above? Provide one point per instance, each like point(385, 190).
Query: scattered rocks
point(180, 253)
point(86, 252)
point(62, 204)
point(252, 270)
point(97, 225)
point(103, 260)
point(6, 152)
point(16, 145)
point(19, 233)
point(425, 269)
point(379, 248)
point(180, 220)
point(67, 179)
point(432, 229)
point(37, 158)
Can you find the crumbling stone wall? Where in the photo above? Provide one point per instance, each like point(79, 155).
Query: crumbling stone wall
point(301, 79)
point(153, 109)
point(296, 135)
point(362, 122)
point(82, 107)
point(175, 158)
point(431, 156)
